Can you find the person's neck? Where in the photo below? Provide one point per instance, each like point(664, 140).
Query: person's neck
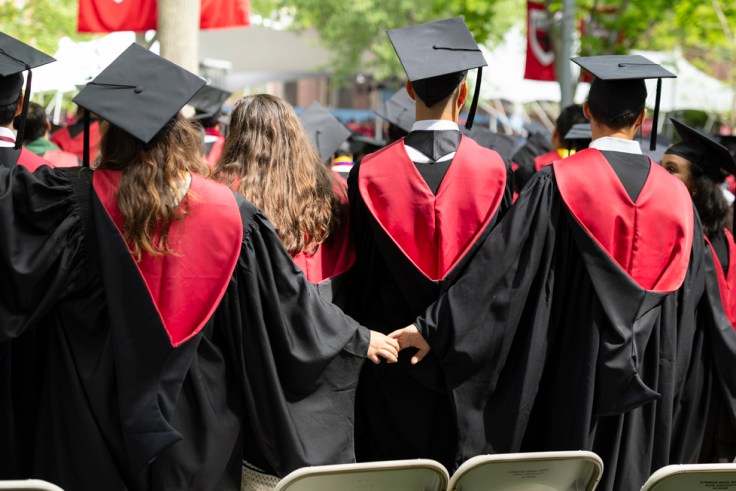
point(601, 131)
point(447, 113)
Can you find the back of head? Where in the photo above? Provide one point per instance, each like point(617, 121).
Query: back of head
point(152, 176)
point(617, 104)
point(568, 117)
point(438, 89)
point(10, 92)
point(268, 152)
point(37, 123)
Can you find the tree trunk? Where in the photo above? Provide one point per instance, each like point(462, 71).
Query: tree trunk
point(178, 32)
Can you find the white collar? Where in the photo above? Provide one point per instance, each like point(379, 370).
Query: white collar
point(7, 133)
point(616, 145)
point(434, 125)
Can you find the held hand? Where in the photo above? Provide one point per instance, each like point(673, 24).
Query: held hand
point(410, 337)
point(383, 346)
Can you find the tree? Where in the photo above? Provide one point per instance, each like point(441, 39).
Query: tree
point(41, 23)
point(355, 30)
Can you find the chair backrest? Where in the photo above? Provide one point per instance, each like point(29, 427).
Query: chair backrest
point(693, 477)
point(29, 485)
point(538, 471)
point(395, 475)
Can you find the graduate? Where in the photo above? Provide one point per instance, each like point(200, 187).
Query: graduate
point(419, 207)
point(702, 164)
point(207, 104)
point(159, 333)
point(599, 332)
point(15, 58)
point(270, 161)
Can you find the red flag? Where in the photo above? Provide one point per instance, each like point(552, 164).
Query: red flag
point(141, 15)
point(540, 58)
point(116, 15)
point(216, 14)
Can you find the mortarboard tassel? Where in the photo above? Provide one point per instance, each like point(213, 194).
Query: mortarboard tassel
point(474, 105)
point(655, 118)
point(85, 160)
point(24, 112)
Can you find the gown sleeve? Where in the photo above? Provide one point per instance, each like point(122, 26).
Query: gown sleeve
point(300, 359)
point(41, 242)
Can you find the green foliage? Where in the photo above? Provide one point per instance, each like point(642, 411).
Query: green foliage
point(355, 30)
point(40, 23)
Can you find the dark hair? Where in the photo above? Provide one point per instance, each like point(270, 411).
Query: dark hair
point(36, 123)
point(568, 117)
point(709, 201)
point(7, 112)
point(438, 89)
point(210, 122)
point(625, 120)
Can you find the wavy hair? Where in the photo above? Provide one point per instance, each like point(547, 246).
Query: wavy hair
point(152, 177)
point(268, 159)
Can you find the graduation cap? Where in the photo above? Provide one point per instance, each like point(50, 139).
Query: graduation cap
point(325, 131)
point(578, 133)
point(365, 144)
point(702, 150)
point(435, 57)
point(208, 101)
point(139, 92)
point(619, 85)
point(399, 110)
point(504, 145)
point(15, 58)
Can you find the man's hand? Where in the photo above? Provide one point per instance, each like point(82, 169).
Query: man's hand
point(410, 337)
point(383, 346)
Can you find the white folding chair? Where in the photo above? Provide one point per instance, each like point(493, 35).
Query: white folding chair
point(29, 485)
point(693, 477)
point(395, 475)
point(537, 471)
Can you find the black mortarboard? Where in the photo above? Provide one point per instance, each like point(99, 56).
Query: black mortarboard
point(437, 55)
point(504, 145)
point(399, 110)
point(208, 101)
point(324, 130)
point(702, 150)
point(16, 58)
point(140, 92)
point(364, 144)
point(580, 131)
point(619, 84)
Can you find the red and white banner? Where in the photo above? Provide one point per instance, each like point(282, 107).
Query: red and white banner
point(540, 57)
point(141, 15)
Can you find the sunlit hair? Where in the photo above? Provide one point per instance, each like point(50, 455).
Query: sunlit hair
point(151, 180)
point(268, 159)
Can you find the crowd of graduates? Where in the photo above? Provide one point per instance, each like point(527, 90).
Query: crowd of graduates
point(186, 309)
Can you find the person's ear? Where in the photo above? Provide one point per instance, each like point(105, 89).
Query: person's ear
point(463, 94)
point(410, 90)
point(640, 120)
point(20, 104)
point(586, 111)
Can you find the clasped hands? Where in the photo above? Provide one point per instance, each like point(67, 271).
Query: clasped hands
point(388, 347)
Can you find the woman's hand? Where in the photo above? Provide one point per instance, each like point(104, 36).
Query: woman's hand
point(384, 347)
point(410, 337)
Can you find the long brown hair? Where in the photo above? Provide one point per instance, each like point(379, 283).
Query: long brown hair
point(268, 158)
point(151, 179)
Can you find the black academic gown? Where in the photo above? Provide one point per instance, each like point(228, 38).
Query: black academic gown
point(94, 392)
point(403, 234)
point(560, 349)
